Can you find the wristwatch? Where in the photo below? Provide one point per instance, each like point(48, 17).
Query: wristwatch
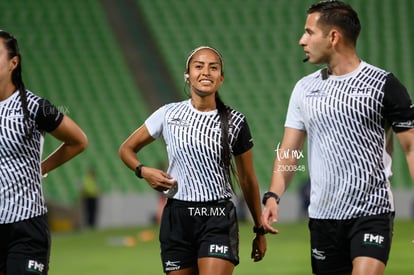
point(259, 230)
point(138, 171)
point(268, 195)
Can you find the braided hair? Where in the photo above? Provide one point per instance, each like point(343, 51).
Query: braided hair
point(226, 160)
point(224, 112)
point(12, 47)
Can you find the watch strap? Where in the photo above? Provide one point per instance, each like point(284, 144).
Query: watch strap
point(259, 230)
point(268, 195)
point(138, 171)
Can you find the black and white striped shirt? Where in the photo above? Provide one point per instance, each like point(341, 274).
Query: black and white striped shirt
point(347, 119)
point(194, 149)
point(20, 158)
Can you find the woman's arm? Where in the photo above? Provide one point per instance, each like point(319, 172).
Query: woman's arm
point(250, 188)
point(156, 178)
point(74, 142)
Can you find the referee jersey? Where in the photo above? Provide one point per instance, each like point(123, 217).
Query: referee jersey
point(193, 142)
point(20, 158)
point(347, 119)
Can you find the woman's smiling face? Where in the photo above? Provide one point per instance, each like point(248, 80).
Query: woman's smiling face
point(205, 72)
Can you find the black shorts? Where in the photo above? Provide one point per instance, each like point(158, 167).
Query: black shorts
point(195, 230)
point(335, 243)
point(25, 247)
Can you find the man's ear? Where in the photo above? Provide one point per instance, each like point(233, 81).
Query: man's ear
point(334, 36)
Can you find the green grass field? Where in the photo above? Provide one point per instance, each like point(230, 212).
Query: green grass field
point(104, 252)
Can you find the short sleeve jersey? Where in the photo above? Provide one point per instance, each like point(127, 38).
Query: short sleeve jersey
point(21, 194)
point(193, 142)
point(347, 119)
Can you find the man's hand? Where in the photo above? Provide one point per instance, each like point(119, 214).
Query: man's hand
point(270, 215)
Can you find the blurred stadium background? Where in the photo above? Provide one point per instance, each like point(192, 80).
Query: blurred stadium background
point(109, 64)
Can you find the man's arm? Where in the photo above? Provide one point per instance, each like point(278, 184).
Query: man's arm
point(406, 140)
point(293, 141)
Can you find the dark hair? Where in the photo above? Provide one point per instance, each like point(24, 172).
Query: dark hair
point(224, 112)
point(338, 14)
point(13, 50)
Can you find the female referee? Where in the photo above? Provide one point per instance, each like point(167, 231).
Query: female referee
point(199, 230)
point(24, 119)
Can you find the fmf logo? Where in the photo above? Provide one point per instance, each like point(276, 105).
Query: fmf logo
point(373, 239)
point(35, 266)
point(216, 249)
